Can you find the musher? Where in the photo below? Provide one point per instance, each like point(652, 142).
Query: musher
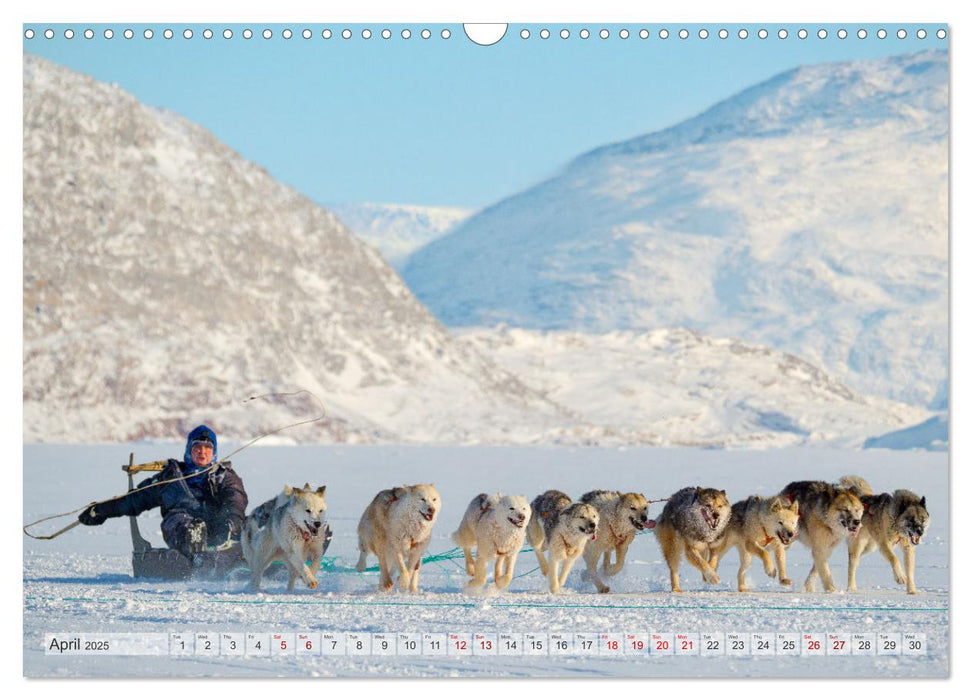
point(200, 506)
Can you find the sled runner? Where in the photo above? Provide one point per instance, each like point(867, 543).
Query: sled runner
point(154, 562)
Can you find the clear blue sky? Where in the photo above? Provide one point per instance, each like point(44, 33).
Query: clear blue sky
point(441, 122)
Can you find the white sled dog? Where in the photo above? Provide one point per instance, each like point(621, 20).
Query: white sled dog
point(756, 525)
point(622, 515)
point(888, 520)
point(396, 527)
point(565, 533)
point(287, 527)
point(496, 526)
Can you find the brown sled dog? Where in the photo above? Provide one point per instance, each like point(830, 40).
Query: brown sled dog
point(757, 525)
point(828, 514)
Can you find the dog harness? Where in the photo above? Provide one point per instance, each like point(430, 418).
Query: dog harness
point(768, 538)
point(617, 540)
point(570, 551)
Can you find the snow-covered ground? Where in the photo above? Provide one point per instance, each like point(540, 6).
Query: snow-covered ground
point(81, 581)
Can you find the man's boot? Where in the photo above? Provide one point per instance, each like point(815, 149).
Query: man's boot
point(195, 535)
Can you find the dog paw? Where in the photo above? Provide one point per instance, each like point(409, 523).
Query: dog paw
point(771, 573)
point(900, 579)
point(785, 581)
point(711, 578)
point(312, 584)
point(744, 589)
point(912, 591)
point(603, 589)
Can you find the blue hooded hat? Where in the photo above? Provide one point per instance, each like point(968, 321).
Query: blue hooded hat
point(199, 433)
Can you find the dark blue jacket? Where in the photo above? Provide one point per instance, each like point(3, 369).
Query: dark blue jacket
point(219, 498)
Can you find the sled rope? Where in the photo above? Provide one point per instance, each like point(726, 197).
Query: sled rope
point(54, 517)
point(336, 565)
point(208, 470)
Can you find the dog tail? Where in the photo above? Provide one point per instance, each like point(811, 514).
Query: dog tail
point(856, 485)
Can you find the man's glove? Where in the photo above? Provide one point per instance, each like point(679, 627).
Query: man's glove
point(91, 516)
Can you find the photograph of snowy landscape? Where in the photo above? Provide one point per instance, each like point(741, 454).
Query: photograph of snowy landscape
point(719, 264)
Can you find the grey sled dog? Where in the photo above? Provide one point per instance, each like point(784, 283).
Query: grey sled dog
point(562, 529)
point(888, 520)
point(287, 527)
point(544, 510)
point(692, 519)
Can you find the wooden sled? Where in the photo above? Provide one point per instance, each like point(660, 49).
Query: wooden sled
point(164, 563)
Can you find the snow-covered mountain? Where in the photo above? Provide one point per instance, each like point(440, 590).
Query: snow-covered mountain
point(397, 230)
point(807, 213)
point(675, 387)
point(166, 279)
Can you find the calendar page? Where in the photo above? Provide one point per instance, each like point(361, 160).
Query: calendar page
point(512, 350)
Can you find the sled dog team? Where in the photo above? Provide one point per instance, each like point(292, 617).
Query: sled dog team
point(697, 522)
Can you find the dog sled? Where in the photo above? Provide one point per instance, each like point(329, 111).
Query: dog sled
point(164, 563)
point(168, 564)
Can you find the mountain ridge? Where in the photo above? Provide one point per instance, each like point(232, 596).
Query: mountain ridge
point(169, 282)
point(827, 239)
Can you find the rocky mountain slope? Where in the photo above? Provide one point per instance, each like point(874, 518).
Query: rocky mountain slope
point(166, 279)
